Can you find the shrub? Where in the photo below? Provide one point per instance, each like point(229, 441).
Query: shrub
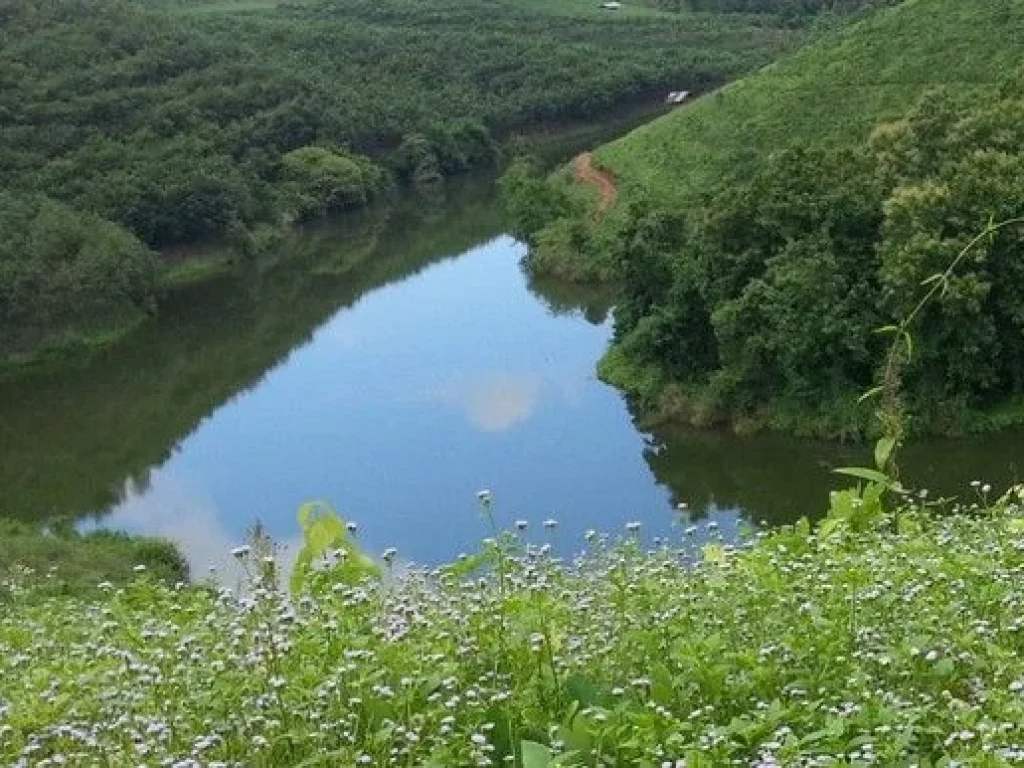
point(64, 272)
point(325, 180)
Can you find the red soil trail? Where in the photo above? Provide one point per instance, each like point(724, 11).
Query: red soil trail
point(587, 173)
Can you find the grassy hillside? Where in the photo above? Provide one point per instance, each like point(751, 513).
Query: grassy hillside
point(761, 236)
point(830, 93)
point(67, 562)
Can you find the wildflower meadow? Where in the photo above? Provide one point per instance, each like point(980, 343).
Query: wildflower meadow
point(874, 638)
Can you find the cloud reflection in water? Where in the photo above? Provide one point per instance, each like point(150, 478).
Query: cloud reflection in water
point(186, 515)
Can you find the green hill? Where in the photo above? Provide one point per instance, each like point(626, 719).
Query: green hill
point(761, 236)
point(185, 120)
point(830, 93)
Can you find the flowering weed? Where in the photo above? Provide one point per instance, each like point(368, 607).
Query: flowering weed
point(895, 645)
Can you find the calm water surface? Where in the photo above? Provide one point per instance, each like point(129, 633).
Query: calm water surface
point(392, 365)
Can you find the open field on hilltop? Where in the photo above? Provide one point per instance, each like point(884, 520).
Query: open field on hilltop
point(830, 93)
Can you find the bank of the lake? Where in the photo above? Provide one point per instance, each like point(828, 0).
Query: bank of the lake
point(63, 561)
point(761, 236)
point(392, 365)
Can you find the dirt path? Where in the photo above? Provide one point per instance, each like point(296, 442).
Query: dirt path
point(586, 173)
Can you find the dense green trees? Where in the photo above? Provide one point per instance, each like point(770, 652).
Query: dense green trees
point(62, 271)
point(321, 180)
point(794, 10)
point(176, 124)
point(178, 120)
point(764, 304)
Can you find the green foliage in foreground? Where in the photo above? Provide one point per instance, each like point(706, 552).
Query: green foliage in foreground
point(65, 562)
point(874, 640)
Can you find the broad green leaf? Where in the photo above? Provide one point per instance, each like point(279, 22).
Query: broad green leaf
point(1015, 525)
point(323, 530)
point(311, 510)
point(715, 554)
point(535, 755)
point(829, 526)
point(863, 473)
point(883, 452)
point(473, 563)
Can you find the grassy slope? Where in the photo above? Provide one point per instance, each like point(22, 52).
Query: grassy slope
point(70, 563)
point(831, 92)
point(855, 647)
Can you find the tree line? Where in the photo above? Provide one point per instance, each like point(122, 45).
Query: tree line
point(791, 10)
point(761, 305)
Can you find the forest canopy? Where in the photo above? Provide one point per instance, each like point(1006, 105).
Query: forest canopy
point(764, 303)
point(184, 120)
point(794, 10)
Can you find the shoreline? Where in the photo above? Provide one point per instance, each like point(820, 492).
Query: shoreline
point(198, 263)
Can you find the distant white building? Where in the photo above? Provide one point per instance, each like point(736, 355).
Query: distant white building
point(611, 5)
point(677, 97)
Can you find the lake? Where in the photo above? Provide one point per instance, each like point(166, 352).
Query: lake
point(392, 364)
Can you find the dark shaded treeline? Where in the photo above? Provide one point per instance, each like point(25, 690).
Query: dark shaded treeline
point(765, 304)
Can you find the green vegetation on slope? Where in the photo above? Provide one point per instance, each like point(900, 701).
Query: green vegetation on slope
point(864, 642)
point(769, 230)
point(829, 94)
point(188, 120)
point(69, 563)
point(796, 11)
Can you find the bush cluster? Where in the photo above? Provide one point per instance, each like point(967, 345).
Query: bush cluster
point(764, 301)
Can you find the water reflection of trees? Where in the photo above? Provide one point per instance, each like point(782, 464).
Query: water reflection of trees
point(592, 302)
point(74, 436)
point(778, 479)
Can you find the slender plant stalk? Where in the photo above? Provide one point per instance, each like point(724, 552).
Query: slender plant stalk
point(890, 412)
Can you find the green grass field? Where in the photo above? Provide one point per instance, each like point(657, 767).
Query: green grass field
point(830, 93)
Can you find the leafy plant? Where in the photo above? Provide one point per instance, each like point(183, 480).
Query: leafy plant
point(891, 413)
point(327, 541)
